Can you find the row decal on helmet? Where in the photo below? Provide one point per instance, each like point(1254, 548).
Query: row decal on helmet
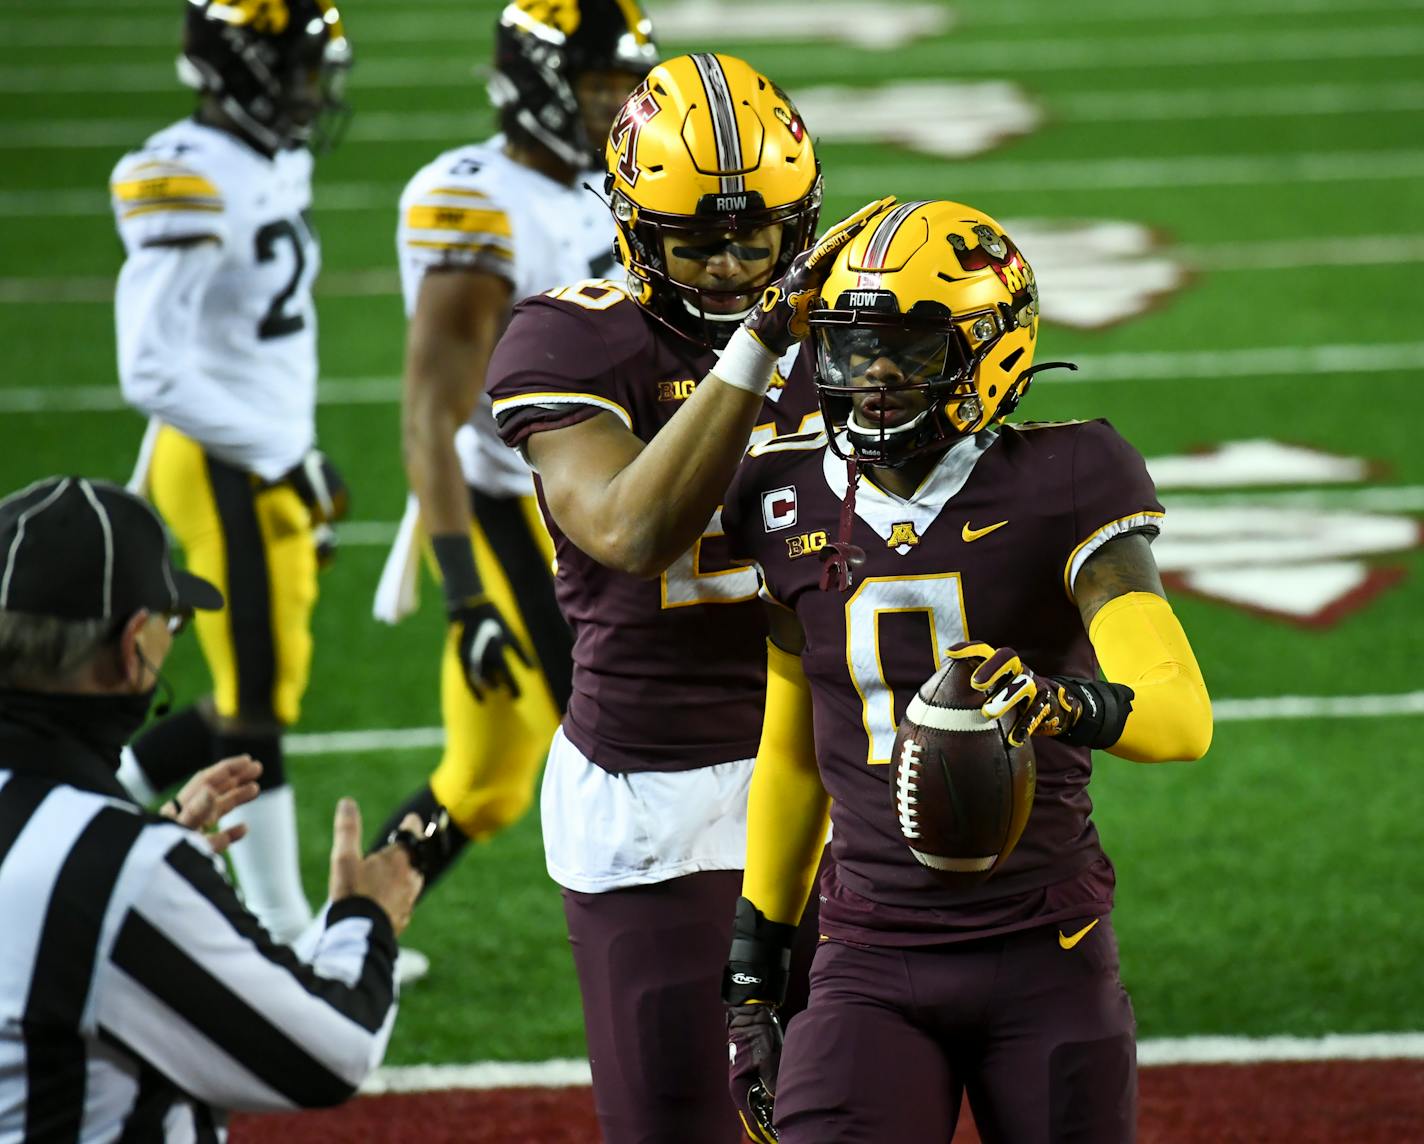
point(724, 120)
point(880, 241)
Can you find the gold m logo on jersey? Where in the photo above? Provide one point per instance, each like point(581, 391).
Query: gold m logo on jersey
point(268, 17)
point(676, 390)
point(806, 544)
point(902, 533)
point(561, 15)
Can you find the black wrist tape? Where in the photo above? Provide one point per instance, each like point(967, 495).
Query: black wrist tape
point(759, 964)
point(456, 557)
point(1106, 707)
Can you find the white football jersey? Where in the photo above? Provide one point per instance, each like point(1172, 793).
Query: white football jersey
point(476, 207)
point(218, 339)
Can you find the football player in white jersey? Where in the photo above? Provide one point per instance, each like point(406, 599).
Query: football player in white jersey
point(217, 345)
point(480, 228)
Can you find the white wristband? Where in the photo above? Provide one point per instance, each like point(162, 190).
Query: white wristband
point(745, 363)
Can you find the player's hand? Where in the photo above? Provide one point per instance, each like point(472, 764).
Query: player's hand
point(485, 643)
point(323, 490)
point(754, 1056)
point(208, 796)
point(387, 876)
point(1044, 707)
point(781, 317)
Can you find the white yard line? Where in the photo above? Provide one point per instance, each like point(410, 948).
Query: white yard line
point(1271, 361)
point(1116, 11)
point(1151, 1053)
point(976, 56)
point(71, 134)
point(924, 176)
point(1271, 709)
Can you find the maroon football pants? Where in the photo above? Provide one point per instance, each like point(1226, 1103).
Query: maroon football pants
point(649, 961)
point(1041, 1038)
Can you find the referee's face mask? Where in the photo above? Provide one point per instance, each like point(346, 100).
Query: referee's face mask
point(75, 549)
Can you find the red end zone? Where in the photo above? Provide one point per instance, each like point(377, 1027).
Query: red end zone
point(1315, 1102)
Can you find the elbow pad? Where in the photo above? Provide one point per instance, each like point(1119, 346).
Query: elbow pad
point(1141, 645)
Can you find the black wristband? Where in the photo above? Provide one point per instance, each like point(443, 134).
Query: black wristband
point(759, 964)
point(1106, 707)
point(456, 557)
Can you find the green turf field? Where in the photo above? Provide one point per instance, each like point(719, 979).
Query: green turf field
point(1271, 148)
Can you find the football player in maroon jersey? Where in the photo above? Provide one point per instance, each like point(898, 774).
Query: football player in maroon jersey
point(922, 526)
point(634, 425)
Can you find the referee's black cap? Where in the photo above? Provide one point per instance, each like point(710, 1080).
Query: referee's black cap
point(76, 549)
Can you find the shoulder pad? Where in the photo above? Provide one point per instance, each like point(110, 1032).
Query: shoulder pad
point(449, 214)
point(165, 197)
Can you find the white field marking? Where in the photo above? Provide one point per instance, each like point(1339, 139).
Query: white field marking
point(1282, 361)
point(1269, 709)
point(1396, 498)
point(1151, 1053)
point(912, 178)
point(1116, 11)
point(1081, 107)
point(1133, 174)
point(1059, 53)
point(105, 398)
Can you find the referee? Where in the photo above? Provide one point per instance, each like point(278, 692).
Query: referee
point(139, 1000)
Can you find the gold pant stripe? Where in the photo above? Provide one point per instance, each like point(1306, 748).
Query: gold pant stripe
point(255, 543)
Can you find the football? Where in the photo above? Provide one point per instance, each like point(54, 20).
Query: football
point(961, 795)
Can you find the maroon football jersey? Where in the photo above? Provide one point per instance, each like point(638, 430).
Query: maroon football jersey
point(985, 550)
point(669, 674)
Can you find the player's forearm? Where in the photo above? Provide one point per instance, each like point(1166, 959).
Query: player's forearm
point(653, 510)
point(432, 466)
point(1141, 644)
point(787, 807)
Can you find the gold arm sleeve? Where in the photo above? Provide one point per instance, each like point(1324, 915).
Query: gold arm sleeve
point(788, 808)
point(1140, 643)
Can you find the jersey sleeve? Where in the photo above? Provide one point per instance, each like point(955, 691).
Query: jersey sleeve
point(447, 222)
point(553, 368)
point(164, 196)
point(1113, 494)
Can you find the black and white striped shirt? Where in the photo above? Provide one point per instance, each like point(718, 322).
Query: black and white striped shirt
point(139, 1000)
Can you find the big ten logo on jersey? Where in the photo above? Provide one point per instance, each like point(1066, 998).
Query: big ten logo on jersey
point(676, 390)
point(778, 508)
point(806, 544)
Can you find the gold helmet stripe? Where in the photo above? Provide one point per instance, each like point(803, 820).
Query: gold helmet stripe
point(724, 120)
point(879, 245)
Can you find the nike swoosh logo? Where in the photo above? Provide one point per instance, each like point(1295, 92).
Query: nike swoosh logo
point(1068, 942)
point(972, 534)
point(485, 634)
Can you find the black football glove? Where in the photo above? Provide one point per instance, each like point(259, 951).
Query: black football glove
point(485, 641)
point(754, 1051)
point(780, 318)
point(323, 490)
point(484, 636)
point(753, 985)
point(1045, 706)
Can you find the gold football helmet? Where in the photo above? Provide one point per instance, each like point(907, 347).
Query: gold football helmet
point(707, 145)
point(931, 297)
